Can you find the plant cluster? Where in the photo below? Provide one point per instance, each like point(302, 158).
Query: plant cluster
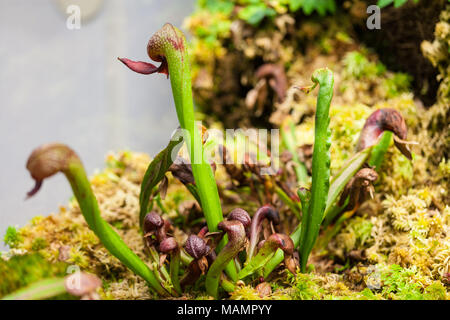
point(226, 251)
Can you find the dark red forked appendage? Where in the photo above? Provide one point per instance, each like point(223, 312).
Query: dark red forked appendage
point(35, 189)
point(145, 67)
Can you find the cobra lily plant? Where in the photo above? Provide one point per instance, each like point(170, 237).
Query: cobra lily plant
point(242, 247)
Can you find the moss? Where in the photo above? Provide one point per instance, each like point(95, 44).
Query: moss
point(12, 237)
point(435, 291)
point(38, 244)
point(438, 53)
point(399, 284)
point(444, 168)
point(355, 234)
point(358, 66)
point(78, 257)
point(22, 270)
point(305, 288)
point(397, 84)
point(245, 293)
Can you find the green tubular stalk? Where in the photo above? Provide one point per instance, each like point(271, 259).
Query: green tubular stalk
point(170, 43)
point(374, 155)
point(379, 150)
point(288, 201)
point(269, 248)
point(288, 136)
point(331, 231)
point(180, 79)
point(40, 290)
point(228, 286)
point(175, 270)
point(339, 181)
point(168, 46)
point(263, 256)
point(79, 284)
point(320, 167)
point(52, 158)
point(155, 173)
point(278, 257)
point(237, 239)
point(109, 238)
point(185, 259)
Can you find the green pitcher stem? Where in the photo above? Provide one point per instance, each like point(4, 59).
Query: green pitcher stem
point(110, 239)
point(175, 269)
point(320, 165)
point(237, 238)
point(50, 159)
point(173, 46)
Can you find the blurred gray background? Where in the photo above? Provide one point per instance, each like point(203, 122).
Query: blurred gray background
point(64, 85)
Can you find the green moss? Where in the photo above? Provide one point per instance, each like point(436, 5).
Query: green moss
point(117, 224)
point(367, 293)
point(38, 244)
point(358, 65)
point(397, 84)
point(435, 291)
point(305, 288)
point(444, 168)
point(399, 284)
point(20, 271)
point(79, 258)
point(245, 293)
point(12, 237)
point(356, 234)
